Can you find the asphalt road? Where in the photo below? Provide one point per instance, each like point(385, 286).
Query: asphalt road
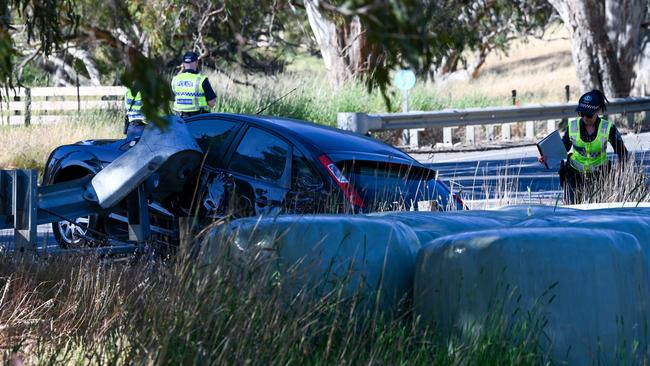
point(505, 176)
point(509, 181)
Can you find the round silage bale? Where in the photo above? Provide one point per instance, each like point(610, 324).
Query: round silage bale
point(588, 286)
point(367, 256)
point(429, 226)
point(635, 222)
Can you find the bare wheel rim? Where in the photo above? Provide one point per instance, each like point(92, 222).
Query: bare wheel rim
point(74, 232)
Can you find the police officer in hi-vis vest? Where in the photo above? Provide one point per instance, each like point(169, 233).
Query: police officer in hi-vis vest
point(134, 121)
point(192, 90)
point(588, 135)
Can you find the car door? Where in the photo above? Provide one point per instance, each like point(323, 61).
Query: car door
point(308, 193)
point(260, 166)
point(213, 135)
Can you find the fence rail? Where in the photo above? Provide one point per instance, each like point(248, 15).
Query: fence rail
point(551, 113)
point(53, 104)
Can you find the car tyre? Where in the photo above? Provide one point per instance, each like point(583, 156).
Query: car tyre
point(78, 233)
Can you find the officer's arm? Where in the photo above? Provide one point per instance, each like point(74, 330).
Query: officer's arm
point(210, 95)
point(566, 140)
point(617, 143)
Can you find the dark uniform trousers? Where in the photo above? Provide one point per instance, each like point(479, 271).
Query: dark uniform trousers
point(579, 187)
point(135, 128)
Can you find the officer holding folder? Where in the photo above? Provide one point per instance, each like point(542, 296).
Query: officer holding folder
point(587, 137)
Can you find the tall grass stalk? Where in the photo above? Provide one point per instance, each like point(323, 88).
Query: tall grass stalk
point(28, 147)
point(626, 183)
point(222, 311)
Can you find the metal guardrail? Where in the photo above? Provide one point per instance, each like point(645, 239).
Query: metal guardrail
point(363, 123)
point(169, 157)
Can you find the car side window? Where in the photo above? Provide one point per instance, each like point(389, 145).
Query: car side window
point(260, 155)
point(303, 176)
point(211, 136)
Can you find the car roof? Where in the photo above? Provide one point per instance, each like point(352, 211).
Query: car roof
point(334, 142)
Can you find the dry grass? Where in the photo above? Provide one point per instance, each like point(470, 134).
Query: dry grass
point(29, 147)
point(225, 311)
point(537, 68)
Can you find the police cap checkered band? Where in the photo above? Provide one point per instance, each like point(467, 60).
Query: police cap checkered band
point(589, 103)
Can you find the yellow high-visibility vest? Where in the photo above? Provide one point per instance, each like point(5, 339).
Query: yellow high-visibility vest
point(589, 155)
point(133, 105)
point(188, 89)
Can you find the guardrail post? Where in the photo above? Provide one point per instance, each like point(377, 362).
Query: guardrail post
point(530, 130)
point(505, 131)
point(630, 120)
point(28, 106)
point(357, 122)
point(414, 137)
point(550, 126)
point(138, 215)
point(446, 136)
point(6, 179)
point(490, 132)
point(469, 135)
point(25, 186)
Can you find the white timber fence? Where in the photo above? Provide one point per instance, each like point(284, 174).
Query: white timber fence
point(551, 114)
point(25, 106)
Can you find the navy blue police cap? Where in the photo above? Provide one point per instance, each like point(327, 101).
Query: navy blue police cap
point(589, 103)
point(190, 57)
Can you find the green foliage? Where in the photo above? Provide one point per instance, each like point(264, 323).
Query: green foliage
point(33, 76)
point(49, 21)
point(258, 36)
point(145, 76)
point(411, 33)
point(494, 24)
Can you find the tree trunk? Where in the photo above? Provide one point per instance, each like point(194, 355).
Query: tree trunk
point(604, 36)
point(642, 69)
point(89, 63)
point(343, 45)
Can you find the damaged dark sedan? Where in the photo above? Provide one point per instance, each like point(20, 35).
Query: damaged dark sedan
point(257, 165)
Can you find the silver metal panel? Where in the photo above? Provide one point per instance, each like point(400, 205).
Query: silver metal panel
point(156, 147)
point(6, 218)
point(25, 186)
point(66, 200)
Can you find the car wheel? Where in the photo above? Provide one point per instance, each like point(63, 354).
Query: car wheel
point(76, 233)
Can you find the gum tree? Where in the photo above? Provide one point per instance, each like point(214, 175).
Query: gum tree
point(365, 40)
point(139, 40)
point(606, 38)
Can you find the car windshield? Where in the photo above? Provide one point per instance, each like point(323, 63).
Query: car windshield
point(390, 187)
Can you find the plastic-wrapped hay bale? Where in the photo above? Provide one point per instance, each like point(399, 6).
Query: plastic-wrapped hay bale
point(432, 225)
point(635, 222)
point(322, 252)
point(589, 284)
